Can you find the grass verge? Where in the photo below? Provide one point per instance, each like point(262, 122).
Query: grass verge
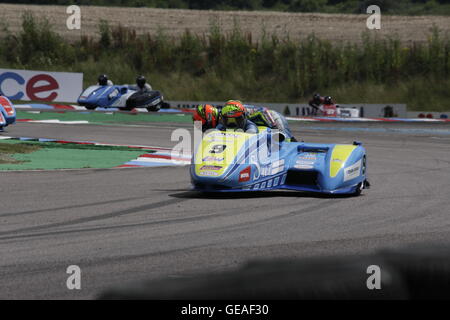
point(105, 118)
point(8, 149)
point(48, 156)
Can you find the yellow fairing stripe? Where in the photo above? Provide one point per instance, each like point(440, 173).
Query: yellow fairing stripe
point(340, 154)
point(234, 141)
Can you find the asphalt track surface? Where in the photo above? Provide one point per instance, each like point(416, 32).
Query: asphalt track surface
point(125, 225)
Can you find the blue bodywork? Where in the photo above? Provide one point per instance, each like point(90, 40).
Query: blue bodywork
point(261, 163)
point(7, 112)
point(116, 96)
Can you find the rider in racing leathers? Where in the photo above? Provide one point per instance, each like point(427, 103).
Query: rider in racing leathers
point(208, 115)
point(104, 81)
point(316, 103)
point(142, 84)
point(234, 116)
point(261, 116)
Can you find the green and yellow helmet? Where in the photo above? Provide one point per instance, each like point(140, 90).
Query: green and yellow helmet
point(233, 115)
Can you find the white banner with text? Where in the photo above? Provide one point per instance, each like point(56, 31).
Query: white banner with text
point(40, 85)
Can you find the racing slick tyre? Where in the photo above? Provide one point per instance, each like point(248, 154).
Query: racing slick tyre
point(144, 99)
point(362, 185)
point(88, 107)
point(359, 189)
point(153, 108)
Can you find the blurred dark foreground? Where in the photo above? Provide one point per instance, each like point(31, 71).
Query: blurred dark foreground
point(410, 273)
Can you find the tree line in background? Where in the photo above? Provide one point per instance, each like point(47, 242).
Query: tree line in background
point(407, 7)
point(220, 66)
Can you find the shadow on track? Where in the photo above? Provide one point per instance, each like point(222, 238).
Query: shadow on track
point(192, 194)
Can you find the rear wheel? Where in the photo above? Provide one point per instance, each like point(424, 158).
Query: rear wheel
point(90, 107)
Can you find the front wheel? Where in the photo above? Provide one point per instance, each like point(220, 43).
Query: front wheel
point(359, 189)
point(364, 184)
point(154, 108)
point(90, 107)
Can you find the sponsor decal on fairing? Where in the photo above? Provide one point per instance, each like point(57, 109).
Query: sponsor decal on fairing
point(300, 164)
point(209, 173)
point(245, 174)
point(209, 168)
point(213, 159)
point(277, 166)
point(308, 156)
point(221, 134)
point(265, 170)
point(352, 171)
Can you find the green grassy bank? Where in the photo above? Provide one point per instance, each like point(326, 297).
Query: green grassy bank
point(31, 155)
point(105, 118)
point(220, 66)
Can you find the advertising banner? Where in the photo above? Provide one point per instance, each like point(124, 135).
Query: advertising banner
point(40, 85)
